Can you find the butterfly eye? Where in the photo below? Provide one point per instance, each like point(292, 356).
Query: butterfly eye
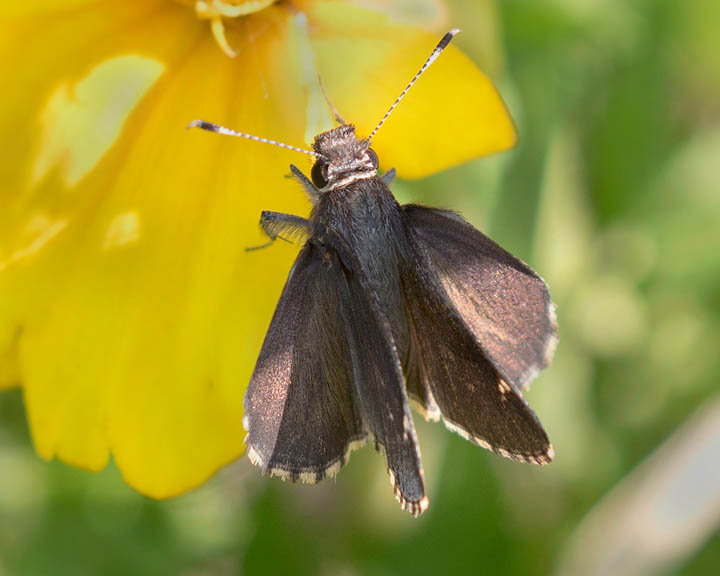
point(319, 174)
point(373, 158)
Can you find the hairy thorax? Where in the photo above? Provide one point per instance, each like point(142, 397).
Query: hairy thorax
point(367, 219)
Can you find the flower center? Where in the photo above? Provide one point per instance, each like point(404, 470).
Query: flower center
point(216, 10)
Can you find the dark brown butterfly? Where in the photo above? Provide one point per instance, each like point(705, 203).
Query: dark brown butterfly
point(388, 305)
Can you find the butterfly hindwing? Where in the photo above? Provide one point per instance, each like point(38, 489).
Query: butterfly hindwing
point(449, 367)
point(501, 299)
point(299, 409)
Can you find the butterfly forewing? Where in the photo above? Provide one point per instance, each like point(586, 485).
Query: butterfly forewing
point(500, 299)
point(299, 407)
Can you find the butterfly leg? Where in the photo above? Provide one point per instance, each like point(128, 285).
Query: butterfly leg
point(273, 224)
point(389, 176)
point(312, 192)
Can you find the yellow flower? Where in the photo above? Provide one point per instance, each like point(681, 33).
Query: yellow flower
point(129, 310)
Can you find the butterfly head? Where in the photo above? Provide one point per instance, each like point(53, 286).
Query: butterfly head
point(342, 158)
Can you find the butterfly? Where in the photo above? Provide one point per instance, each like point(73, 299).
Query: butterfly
point(388, 306)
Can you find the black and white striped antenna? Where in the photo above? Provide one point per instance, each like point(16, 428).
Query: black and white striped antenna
point(229, 132)
point(435, 53)
point(210, 127)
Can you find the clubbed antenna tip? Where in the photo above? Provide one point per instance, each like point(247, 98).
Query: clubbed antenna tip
point(444, 41)
point(210, 127)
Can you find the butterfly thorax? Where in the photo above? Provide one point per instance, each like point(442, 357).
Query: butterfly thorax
point(364, 219)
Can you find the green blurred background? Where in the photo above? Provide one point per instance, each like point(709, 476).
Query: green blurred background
point(613, 195)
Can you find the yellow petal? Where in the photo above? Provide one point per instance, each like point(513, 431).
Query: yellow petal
point(9, 369)
point(42, 7)
point(451, 115)
point(142, 317)
point(82, 121)
point(73, 43)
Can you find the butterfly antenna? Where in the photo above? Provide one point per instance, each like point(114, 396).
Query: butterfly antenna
point(435, 53)
point(209, 126)
point(335, 113)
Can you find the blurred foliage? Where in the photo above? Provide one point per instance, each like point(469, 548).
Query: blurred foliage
point(613, 195)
